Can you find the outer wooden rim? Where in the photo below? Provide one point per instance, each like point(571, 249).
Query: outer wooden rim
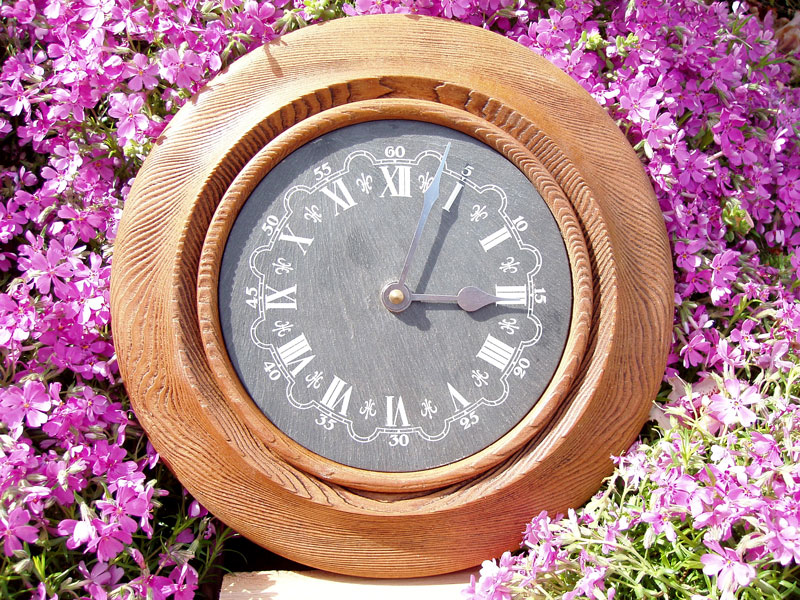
point(243, 186)
point(156, 325)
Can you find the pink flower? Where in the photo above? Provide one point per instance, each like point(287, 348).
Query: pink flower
point(14, 99)
point(46, 269)
point(101, 577)
point(640, 98)
point(127, 109)
point(744, 337)
point(456, 8)
point(494, 576)
point(142, 73)
point(732, 408)
point(185, 586)
point(723, 271)
point(694, 352)
point(30, 404)
point(128, 501)
point(181, 69)
point(658, 524)
point(686, 254)
point(15, 530)
point(78, 532)
point(784, 536)
point(727, 565)
point(110, 540)
point(657, 128)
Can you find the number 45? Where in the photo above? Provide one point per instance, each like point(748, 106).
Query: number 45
point(252, 297)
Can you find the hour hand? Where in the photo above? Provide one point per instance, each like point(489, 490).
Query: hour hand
point(469, 299)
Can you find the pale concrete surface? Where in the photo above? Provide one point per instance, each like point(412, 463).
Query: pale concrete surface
point(299, 585)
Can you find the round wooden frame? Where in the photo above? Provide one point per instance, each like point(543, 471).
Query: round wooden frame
point(242, 473)
point(211, 259)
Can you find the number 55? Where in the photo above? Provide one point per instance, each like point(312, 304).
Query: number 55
point(322, 171)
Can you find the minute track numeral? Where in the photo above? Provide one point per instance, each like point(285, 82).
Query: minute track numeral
point(495, 352)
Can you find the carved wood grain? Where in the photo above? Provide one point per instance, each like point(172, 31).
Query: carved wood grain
point(211, 259)
point(224, 462)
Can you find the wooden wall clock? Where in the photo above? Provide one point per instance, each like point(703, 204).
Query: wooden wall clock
point(386, 289)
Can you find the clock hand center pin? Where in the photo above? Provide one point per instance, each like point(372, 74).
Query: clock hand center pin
point(396, 296)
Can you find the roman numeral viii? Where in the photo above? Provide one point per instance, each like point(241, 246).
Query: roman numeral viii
point(293, 353)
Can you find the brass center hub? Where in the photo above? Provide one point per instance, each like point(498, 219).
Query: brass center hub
point(395, 297)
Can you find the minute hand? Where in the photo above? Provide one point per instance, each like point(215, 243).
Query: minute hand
point(469, 298)
point(429, 199)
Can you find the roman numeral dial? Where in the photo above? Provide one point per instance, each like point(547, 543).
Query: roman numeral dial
point(395, 296)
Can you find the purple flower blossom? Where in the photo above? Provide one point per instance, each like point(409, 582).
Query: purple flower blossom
point(728, 567)
point(142, 73)
point(494, 576)
point(14, 530)
point(181, 69)
point(100, 578)
point(128, 110)
point(29, 404)
point(732, 408)
point(699, 90)
point(185, 583)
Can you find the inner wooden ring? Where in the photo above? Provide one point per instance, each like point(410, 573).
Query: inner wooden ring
point(240, 190)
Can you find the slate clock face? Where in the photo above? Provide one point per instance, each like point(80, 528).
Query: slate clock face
point(368, 365)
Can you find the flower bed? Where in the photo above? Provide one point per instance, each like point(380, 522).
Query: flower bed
point(706, 505)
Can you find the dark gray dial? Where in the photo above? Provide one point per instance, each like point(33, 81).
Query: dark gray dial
point(376, 372)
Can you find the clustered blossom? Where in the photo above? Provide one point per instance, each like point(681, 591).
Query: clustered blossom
point(707, 504)
point(85, 87)
point(709, 102)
